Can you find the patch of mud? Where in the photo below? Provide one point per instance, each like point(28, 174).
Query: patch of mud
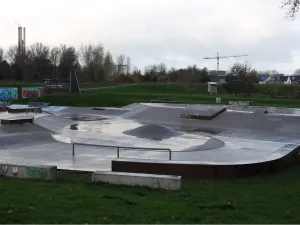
point(87, 118)
point(153, 131)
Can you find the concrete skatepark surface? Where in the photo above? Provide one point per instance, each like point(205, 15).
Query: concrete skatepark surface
point(240, 135)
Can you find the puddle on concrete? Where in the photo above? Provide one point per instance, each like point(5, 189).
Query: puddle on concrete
point(87, 118)
point(116, 132)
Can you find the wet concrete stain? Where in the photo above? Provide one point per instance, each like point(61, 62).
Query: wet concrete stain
point(88, 118)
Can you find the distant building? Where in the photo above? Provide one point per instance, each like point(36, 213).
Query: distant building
point(264, 79)
point(294, 79)
point(273, 79)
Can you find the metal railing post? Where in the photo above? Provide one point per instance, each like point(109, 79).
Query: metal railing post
point(125, 148)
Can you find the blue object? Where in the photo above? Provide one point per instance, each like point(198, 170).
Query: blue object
point(5, 103)
point(38, 104)
point(74, 85)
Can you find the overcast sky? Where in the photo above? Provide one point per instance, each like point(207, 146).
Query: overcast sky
point(176, 32)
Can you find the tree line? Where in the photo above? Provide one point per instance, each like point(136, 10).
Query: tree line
point(92, 63)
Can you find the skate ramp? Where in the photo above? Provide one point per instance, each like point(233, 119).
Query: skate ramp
point(20, 129)
point(153, 131)
point(16, 141)
point(205, 113)
point(211, 144)
point(90, 111)
point(53, 123)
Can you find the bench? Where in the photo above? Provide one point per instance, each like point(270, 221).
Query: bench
point(167, 182)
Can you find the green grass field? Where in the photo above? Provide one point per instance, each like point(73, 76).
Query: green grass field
point(72, 199)
point(124, 95)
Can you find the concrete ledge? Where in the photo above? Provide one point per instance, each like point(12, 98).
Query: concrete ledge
point(28, 171)
point(199, 117)
point(164, 101)
point(3, 108)
point(25, 110)
point(285, 157)
point(16, 121)
point(38, 104)
point(5, 103)
point(138, 179)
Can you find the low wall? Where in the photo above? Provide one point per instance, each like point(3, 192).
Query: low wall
point(32, 92)
point(16, 121)
point(190, 169)
point(165, 101)
point(28, 171)
point(136, 179)
point(38, 104)
point(3, 108)
point(25, 110)
point(198, 117)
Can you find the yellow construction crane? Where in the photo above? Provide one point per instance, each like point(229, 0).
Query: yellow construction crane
point(223, 57)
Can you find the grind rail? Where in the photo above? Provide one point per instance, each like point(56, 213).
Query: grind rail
point(123, 148)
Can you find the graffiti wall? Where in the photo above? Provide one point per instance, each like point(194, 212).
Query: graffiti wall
point(8, 94)
point(32, 92)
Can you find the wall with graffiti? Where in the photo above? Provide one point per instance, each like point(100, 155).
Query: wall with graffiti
point(8, 94)
point(32, 92)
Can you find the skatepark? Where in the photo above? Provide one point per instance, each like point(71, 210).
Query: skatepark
point(172, 139)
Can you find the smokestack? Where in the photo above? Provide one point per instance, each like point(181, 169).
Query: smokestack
point(24, 42)
point(20, 41)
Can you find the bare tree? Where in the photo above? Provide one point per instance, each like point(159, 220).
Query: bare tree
point(54, 58)
point(297, 72)
point(1, 54)
point(86, 55)
point(12, 54)
point(108, 65)
point(128, 65)
point(292, 7)
point(39, 54)
point(120, 64)
point(162, 69)
point(68, 60)
point(93, 60)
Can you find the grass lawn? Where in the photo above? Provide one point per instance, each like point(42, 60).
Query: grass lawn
point(73, 199)
point(124, 95)
point(110, 97)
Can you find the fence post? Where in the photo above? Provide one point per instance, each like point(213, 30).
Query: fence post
point(118, 152)
point(170, 154)
point(73, 149)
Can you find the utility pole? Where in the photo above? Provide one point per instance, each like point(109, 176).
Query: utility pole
point(222, 57)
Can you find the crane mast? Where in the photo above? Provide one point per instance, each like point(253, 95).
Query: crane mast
point(223, 57)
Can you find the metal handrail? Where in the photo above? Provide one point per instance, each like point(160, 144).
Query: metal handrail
point(122, 147)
